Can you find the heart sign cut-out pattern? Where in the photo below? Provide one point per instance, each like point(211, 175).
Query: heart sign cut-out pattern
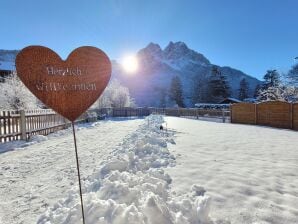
point(69, 87)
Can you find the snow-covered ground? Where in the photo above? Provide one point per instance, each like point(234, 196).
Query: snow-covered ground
point(131, 187)
point(197, 172)
point(37, 176)
point(250, 172)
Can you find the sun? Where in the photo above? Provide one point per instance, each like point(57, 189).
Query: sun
point(130, 64)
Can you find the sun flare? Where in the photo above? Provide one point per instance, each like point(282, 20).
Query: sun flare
point(130, 63)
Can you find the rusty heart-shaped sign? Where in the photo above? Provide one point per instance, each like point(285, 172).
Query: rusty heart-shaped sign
point(69, 87)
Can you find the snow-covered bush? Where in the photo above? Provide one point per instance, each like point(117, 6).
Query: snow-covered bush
point(278, 87)
point(15, 96)
point(115, 95)
point(280, 92)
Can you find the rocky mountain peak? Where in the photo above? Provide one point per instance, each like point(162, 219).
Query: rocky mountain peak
point(179, 50)
point(152, 49)
point(177, 46)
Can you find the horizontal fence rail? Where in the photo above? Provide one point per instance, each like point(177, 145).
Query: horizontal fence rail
point(273, 113)
point(21, 125)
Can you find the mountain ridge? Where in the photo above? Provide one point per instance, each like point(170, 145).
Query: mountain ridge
point(158, 66)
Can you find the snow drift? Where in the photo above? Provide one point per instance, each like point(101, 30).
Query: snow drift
point(132, 187)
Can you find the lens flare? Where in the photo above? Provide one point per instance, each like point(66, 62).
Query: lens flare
point(130, 64)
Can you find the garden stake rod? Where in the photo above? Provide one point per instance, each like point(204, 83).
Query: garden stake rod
point(78, 169)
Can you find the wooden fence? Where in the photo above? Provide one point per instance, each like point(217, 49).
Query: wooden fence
point(15, 125)
point(177, 112)
point(273, 113)
point(20, 125)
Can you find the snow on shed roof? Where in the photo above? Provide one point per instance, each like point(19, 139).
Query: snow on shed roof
point(230, 99)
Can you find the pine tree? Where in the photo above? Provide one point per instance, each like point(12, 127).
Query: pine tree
point(197, 89)
point(176, 92)
point(163, 100)
point(272, 79)
point(243, 90)
point(257, 90)
point(219, 87)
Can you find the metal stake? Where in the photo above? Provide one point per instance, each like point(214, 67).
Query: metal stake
point(78, 169)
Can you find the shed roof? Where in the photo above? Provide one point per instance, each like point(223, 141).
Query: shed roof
point(230, 99)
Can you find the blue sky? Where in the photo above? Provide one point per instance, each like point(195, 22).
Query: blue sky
point(250, 35)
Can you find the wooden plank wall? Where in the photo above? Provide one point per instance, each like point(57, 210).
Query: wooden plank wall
point(244, 113)
point(273, 113)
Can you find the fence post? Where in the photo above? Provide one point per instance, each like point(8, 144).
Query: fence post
point(256, 114)
point(223, 116)
point(231, 113)
point(23, 125)
point(291, 115)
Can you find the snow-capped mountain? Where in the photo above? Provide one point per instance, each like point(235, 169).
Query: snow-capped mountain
point(7, 59)
point(158, 67)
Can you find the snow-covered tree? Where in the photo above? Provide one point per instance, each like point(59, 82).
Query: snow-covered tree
point(278, 87)
point(15, 96)
point(281, 93)
point(292, 76)
point(115, 95)
point(290, 94)
point(270, 93)
point(243, 90)
point(176, 91)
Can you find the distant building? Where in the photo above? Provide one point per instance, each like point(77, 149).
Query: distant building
point(250, 100)
point(224, 104)
point(207, 106)
point(229, 100)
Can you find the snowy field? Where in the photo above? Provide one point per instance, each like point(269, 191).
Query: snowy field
point(198, 172)
point(250, 172)
point(38, 175)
